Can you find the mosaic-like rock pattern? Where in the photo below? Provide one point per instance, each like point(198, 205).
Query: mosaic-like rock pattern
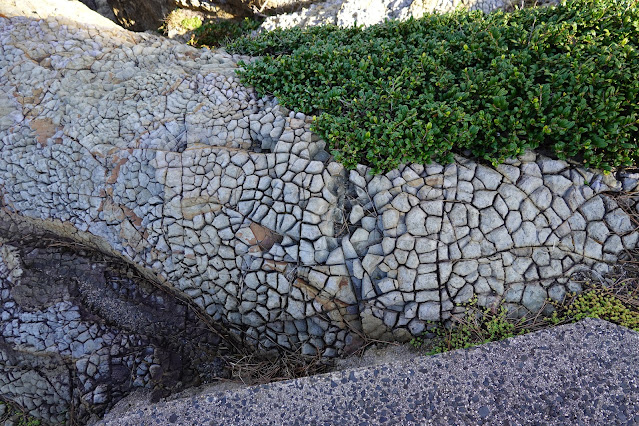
point(437, 236)
point(153, 152)
point(79, 333)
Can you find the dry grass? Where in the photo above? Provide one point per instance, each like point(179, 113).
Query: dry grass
point(255, 369)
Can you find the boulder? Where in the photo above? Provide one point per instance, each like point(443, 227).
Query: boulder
point(71, 10)
point(154, 155)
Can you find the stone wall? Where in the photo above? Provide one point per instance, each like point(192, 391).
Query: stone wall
point(154, 153)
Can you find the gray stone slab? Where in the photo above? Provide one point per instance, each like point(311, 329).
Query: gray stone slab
point(583, 373)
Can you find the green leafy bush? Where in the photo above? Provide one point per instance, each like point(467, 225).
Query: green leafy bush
point(219, 32)
point(564, 79)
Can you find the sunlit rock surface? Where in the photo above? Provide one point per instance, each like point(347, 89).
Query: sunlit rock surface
point(347, 13)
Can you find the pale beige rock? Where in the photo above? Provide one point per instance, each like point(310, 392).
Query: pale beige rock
point(71, 10)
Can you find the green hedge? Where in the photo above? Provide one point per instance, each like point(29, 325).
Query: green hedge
point(564, 79)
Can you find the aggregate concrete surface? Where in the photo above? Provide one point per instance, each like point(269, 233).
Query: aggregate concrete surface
point(582, 373)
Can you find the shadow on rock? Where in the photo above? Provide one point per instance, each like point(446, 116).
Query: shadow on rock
point(79, 331)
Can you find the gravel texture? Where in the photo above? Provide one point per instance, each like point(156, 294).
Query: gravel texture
point(583, 373)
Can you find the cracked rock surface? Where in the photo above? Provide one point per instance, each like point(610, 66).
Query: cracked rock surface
point(154, 153)
point(80, 332)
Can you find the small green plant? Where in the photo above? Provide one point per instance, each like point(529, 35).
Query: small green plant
point(477, 326)
point(17, 416)
point(220, 32)
point(617, 303)
point(613, 304)
point(180, 20)
point(191, 23)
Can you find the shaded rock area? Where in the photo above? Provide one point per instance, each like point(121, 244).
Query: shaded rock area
point(134, 15)
point(140, 15)
point(149, 15)
point(102, 7)
point(80, 331)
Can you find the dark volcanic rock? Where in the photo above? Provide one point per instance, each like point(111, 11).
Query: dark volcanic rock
point(140, 15)
point(102, 7)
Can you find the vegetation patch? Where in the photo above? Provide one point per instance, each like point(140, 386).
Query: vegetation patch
point(618, 304)
point(219, 32)
point(11, 415)
point(562, 79)
point(180, 20)
point(475, 327)
point(191, 23)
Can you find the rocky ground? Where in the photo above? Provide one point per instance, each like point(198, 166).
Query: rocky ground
point(81, 330)
point(154, 154)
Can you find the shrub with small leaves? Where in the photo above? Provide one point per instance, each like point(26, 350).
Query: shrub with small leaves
point(218, 32)
point(564, 79)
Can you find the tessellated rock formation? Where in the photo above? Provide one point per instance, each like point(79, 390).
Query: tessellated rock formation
point(152, 153)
